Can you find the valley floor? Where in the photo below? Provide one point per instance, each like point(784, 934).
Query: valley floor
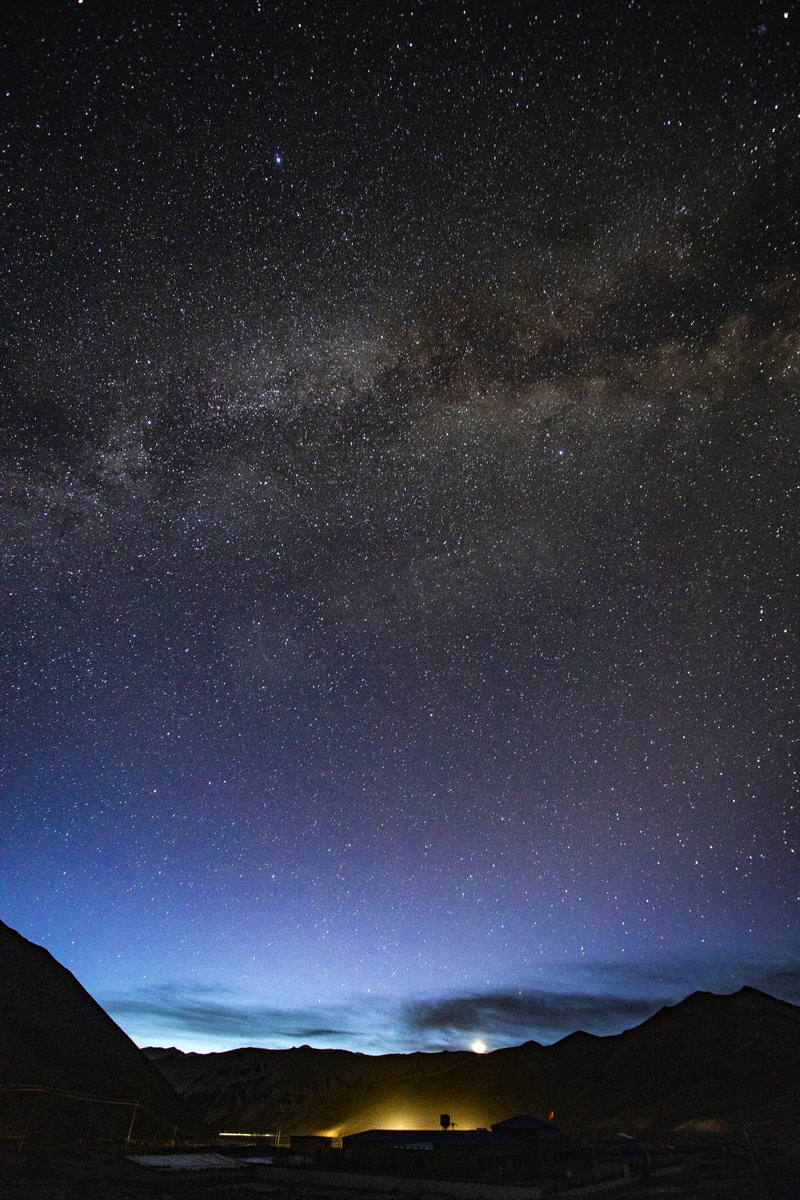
point(49, 1173)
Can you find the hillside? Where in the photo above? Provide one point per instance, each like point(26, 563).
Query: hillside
point(705, 1063)
point(54, 1036)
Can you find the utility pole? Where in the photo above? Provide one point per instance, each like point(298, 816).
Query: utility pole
point(36, 1096)
point(130, 1128)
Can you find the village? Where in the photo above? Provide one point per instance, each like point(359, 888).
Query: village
point(73, 1146)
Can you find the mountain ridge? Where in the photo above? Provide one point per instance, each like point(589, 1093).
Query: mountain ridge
point(55, 1037)
point(708, 1062)
point(705, 1061)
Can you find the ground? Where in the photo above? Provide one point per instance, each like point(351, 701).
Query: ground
point(49, 1173)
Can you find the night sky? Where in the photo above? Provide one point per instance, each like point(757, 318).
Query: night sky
point(400, 429)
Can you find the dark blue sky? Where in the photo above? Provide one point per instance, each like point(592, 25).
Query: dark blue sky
point(400, 451)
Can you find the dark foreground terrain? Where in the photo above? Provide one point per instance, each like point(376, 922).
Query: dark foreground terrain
point(81, 1173)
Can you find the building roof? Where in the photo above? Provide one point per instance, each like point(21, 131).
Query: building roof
point(431, 1137)
point(528, 1128)
point(523, 1122)
point(186, 1162)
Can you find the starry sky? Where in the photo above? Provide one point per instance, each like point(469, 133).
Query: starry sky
point(400, 431)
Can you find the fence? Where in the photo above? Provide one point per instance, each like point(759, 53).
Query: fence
point(30, 1113)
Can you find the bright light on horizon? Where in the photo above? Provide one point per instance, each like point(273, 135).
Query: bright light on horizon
point(478, 1046)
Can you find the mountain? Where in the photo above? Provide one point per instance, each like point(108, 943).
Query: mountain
point(55, 1037)
point(710, 1063)
point(707, 1063)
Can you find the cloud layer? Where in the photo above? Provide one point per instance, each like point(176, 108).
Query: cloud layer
point(510, 1016)
point(195, 1010)
point(214, 1018)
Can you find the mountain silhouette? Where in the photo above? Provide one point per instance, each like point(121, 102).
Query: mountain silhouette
point(708, 1063)
point(55, 1037)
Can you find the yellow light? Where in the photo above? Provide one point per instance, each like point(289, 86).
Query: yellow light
point(478, 1046)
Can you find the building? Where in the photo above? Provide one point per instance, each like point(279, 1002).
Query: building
point(520, 1149)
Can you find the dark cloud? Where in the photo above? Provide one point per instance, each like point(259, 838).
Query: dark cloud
point(516, 1015)
point(624, 996)
point(504, 1017)
point(194, 1011)
point(681, 978)
point(783, 982)
point(523, 1014)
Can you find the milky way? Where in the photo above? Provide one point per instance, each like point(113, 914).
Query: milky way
point(401, 430)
